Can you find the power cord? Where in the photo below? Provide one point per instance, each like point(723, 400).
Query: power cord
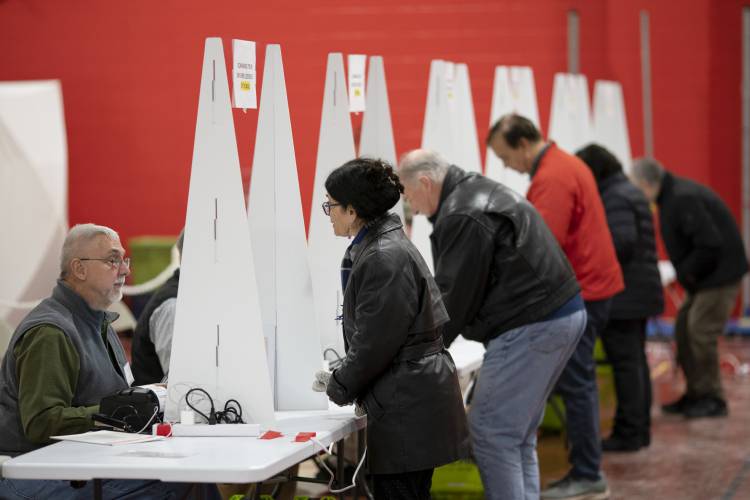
point(332, 365)
point(156, 412)
point(329, 451)
point(231, 414)
point(132, 414)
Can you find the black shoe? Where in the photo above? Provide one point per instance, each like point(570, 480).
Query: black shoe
point(617, 443)
point(646, 440)
point(678, 407)
point(707, 407)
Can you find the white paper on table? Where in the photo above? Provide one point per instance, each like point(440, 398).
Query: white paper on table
point(110, 438)
point(356, 67)
point(244, 83)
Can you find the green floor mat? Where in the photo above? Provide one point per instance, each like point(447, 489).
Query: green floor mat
point(457, 481)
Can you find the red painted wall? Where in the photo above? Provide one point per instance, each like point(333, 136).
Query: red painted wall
point(130, 74)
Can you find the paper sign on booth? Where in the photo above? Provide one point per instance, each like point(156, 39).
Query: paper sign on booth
point(356, 63)
point(243, 74)
point(450, 82)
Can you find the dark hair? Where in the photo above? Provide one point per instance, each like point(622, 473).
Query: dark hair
point(602, 163)
point(514, 128)
point(370, 186)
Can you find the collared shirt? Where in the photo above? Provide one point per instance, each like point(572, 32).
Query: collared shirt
point(538, 159)
point(346, 263)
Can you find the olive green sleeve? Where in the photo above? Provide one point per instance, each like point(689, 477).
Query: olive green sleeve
point(47, 367)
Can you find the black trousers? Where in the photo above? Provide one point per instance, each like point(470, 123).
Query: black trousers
point(405, 486)
point(624, 342)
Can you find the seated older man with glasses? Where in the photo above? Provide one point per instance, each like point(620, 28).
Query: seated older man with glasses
point(63, 358)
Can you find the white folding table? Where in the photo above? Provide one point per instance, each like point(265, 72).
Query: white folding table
point(193, 459)
point(215, 460)
point(468, 356)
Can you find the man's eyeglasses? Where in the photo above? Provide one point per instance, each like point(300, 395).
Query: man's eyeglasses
point(327, 207)
point(113, 262)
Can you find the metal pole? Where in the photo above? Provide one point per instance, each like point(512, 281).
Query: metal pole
point(340, 469)
point(746, 148)
point(648, 127)
point(574, 51)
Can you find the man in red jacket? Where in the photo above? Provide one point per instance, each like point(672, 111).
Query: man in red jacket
point(564, 192)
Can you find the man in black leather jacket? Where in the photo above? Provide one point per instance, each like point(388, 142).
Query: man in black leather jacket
point(705, 246)
point(507, 283)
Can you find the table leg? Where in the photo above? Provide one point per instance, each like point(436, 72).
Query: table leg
point(340, 463)
point(98, 489)
point(256, 492)
point(360, 450)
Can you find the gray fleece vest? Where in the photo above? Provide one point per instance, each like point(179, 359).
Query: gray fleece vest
point(97, 377)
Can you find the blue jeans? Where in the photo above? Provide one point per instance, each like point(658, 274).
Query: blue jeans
point(125, 489)
point(577, 386)
point(520, 369)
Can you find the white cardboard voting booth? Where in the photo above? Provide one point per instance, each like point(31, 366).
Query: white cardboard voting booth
point(277, 232)
point(376, 140)
point(570, 117)
point(335, 147)
point(609, 123)
point(218, 340)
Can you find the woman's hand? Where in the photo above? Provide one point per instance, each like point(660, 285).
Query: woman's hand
point(320, 384)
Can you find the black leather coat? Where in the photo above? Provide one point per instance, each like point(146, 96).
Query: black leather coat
point(396, 365)
point(497, 263)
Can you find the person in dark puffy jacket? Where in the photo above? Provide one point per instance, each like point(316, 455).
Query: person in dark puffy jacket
point(624, 337)
point(396, 367)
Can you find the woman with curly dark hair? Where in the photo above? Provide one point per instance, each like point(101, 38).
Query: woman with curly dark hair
point(396, 368)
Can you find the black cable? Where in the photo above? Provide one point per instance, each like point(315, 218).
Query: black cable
point(335, 363)
point(196, 410)
point(231, 414)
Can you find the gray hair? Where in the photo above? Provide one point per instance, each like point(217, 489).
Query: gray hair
point(423, 161)
point(79, 235)
point(648, 170)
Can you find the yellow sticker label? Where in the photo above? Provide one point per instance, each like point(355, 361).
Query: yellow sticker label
point(245, 85)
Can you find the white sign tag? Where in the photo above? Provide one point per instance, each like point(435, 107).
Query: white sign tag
point(356, 63)
point(243, 74)
point(128, 372)
point(450, 81)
